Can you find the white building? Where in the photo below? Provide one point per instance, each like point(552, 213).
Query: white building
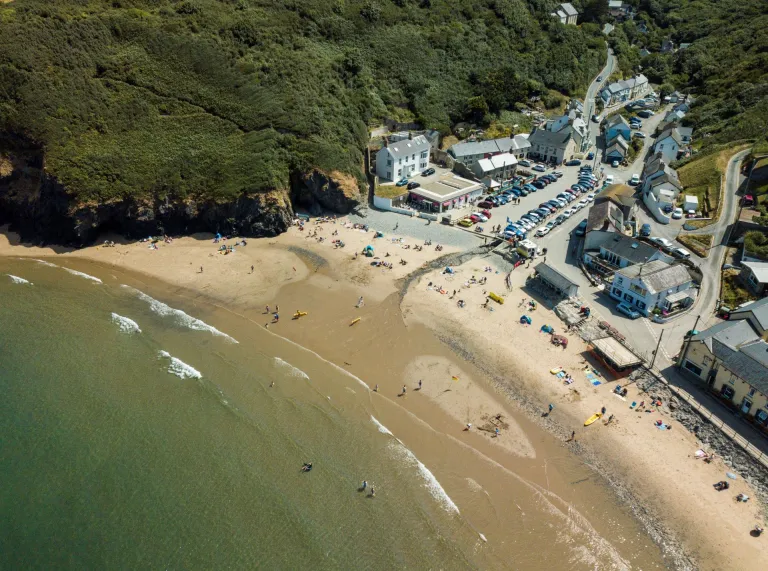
point(468, 153)
point(498, 167)
point(668, 144)
point(566, 13)
point(402, 159)
point(653, 284)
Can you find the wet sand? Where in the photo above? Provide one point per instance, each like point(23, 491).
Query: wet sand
point(490, 477)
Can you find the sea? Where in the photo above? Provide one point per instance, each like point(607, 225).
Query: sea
point(141, 430)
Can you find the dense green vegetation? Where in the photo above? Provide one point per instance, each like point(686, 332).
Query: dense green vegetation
point(756, 243)
point(725, 67)
point(215, 98)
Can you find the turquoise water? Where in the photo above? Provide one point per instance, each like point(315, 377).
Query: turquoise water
point(115, 455)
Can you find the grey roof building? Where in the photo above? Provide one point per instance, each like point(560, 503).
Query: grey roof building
point(557, 281)
point(658, 275)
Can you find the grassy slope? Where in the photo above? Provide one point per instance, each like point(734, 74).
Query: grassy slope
point(214, 98)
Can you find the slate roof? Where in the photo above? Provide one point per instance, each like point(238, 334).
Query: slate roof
point(406, 147)
point(602, 212)
point(629, 249)
point(474, 148)
point(732, 334)
point(506, 144)
point(685, 132)
point(759, 269)
point(657, 275)
point(670, 131)
point(617, 139)
point(760, 310)
point(550, 139)
point(555, 278)
point(569, 9)
point(615, 120)
point(619, 194)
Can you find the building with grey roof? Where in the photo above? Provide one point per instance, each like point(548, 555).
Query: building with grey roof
point(553, 279)
point(566, 13)
point(647, 286)
point(754, 275)
point(757, 315)
point(470, 152)
point(403, 158)
point(731, 360)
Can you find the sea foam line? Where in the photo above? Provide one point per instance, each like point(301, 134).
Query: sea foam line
point(125, 324)
point(83, 275)
point(178, 315)
point(293, 371)
point(49, 264)
point(18, 280)
point(180, 368)
point(430, 482)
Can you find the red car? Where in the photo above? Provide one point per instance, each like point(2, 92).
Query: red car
point(485, 204)
point(487, 213)
point(474, 218)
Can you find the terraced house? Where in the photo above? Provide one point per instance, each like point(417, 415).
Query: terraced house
point(731, 359)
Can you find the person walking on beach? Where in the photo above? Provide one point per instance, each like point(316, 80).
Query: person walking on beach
point(365, 485)
point(373, 492)
point(419, 384)
point(403, 389)
point(266, 309)
point(201, 269)
point(376, 388)
point(551, 406)
point(251, 269)
point(359, 302)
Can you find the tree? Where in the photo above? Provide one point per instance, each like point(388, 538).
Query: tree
point(477, 109)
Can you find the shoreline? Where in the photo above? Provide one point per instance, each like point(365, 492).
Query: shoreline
point(400, 285)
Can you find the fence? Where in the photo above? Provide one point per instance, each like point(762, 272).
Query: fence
point(742, 442)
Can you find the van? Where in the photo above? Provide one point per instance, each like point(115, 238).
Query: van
point(526, 248)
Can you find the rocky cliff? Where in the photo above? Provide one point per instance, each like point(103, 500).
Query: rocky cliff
point(39, 209)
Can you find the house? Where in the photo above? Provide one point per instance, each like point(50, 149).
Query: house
point(618, 251)
point(624, 90)
point(684, 47)
point(667, 46)
point(617, 125)
point(566, 13)
point(654, 284)
point(756, 313)
point(616, 149)
point(561, 137)
point(731, 359)
point(470, 152)
point(603, 222)
point(675, 116)
point(690, 203)
point(686, 134)
point(498, 167)
point(644, 53)
point(556, 281)
point(754, 275)
point(621, 196)
point(617, 8)
point(402, 159)
point(668, 144)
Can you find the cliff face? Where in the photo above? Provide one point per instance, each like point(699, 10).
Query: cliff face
point(40, 210)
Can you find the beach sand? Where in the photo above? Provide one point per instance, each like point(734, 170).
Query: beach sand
point(392, 345)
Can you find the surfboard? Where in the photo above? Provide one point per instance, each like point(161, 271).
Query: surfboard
point(593, 418)
point(556, 370)
point(354, 321)
point(299, 314)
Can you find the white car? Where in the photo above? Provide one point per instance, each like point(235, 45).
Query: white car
point(609, 179)
point(590, 197)
point(568, 212)
point(543, 231)
point(677, 214)
point(481, 216)
point(525, 224)
point(635, 180)
point(661, 242)
point(681, 253)
point(583, 202)
point(576, 206)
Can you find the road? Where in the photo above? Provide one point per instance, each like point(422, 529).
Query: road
point(589, 99)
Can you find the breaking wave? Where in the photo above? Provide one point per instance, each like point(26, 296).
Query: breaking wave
point(179, 316)
point(83, 275)
point(180, 368)
point(430, 482)
point(125, 325)
point(292, 371)
point(18, 280)
point(49, 264)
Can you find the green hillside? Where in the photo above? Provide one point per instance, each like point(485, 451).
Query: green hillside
point(725, 66)
point(217, 98)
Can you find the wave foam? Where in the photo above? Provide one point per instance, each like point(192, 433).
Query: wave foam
point(292, 371)
point(180, 368)
point(430, 482)
point(179, 316)
point(343, 370)
point(49, 264)
point(83, 275)
point(126, 325)
point(18, 280)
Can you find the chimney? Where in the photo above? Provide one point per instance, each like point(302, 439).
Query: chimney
point(410, 136)
point(386, 141)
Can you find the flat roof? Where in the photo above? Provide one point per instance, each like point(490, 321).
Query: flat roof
point(618, 354)
point(446, 187)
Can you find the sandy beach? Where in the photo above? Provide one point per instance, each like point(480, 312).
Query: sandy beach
point(486, 370)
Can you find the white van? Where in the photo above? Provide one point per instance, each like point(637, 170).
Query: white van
point(526, 248)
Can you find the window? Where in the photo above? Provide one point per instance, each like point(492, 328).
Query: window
point(751, 393)
point(389, 162)
point(641, 305)
point(424, 154)
point(629, 298)
point(616, 291)
point(413, 158)
point(693, 368)
point(389, 174)
point(727, 392)
point(619, 280)
point(423, 165)
point(753, 280)
point(399, 172)
point(761, 416)
point(399, 161)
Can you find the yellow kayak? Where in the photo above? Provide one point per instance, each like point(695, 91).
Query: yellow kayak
point(496, 298)
point(299, 314)
point(593, 418)
point(556, 370)
point(354, 321)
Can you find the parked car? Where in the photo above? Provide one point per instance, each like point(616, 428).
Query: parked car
point(466, 222)
point(557, 174)
point(595, 118)
point(428, 172)
point(560, 219)
point(485, 204)
point(645, 113)
point(539, 184)
point(539, 168)
point(568, 212)
point(614, 164)
point(663, 242)
point(590, 156)
point(639, 135)
point(486, 213)
point(524, 163)
point(523, 223)
point(524, 191)
point(402, 182)
point(748, 200)
point(668, 208)
point(543, 231)
point(503, 199)
point(590, 197)
point(573, 163)
point(681, 253)
point(543, 212)
point(583, 201)
point(677, 214)
point(599, 78)
point(635, 180)
point(645, 230)
point(412, 185)
point(581, 229)
point(480, 216)
point(609, 179)
point(627, 310)
point(535, 215)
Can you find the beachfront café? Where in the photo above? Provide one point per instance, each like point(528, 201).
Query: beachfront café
point(446, 193)
point(614, 355)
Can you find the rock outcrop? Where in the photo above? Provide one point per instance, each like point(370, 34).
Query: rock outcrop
point(39, 209)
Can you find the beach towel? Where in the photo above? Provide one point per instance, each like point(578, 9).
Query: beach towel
point(634, 404)
point(661, 426)
point(595, 382)
point(561, 375)
point(700, 454)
